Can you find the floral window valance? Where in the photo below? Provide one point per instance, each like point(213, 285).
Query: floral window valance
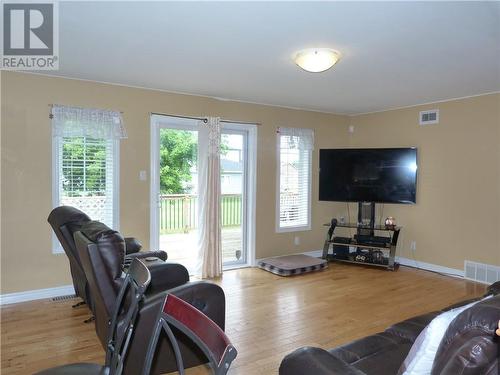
point(87, 122)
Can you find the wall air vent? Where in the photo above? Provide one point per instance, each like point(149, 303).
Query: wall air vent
point(429, 117)
point(483, 273)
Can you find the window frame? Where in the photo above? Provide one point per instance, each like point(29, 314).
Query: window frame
point(56, 199)
point(295, 228)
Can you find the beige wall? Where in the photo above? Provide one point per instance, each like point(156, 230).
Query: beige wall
point(27, 261)
point(457, 215)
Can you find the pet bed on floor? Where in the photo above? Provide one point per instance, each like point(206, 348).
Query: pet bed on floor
point(292, 264)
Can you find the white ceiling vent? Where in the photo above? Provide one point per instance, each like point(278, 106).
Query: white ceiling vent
point(429, 117)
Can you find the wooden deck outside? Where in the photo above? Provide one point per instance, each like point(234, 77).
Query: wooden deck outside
point(182, 247)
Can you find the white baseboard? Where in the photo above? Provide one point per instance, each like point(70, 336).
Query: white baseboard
point(430, 267)
point(409, 262)
point(31, 295)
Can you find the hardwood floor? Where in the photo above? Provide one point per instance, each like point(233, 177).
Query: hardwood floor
point(268, 316)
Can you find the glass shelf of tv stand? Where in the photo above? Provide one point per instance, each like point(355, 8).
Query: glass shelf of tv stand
point(357, 226)
point(389, 243)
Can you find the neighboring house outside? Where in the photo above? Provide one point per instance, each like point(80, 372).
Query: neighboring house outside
point(231, 177)
point(231, 174)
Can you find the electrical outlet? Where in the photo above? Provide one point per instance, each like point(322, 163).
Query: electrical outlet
point(143, 176)
point(296, 240)
point(413, 245)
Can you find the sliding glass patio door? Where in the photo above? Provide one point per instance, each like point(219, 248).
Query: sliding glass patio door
point(174, 190)
point(233, 196)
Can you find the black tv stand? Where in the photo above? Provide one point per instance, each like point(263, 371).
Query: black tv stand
point(366, 245)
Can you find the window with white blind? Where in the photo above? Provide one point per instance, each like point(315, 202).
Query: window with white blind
point(85, 163)
point(86, 170)
point(294, 179)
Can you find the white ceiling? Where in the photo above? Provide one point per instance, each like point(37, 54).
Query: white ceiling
point(394, 54)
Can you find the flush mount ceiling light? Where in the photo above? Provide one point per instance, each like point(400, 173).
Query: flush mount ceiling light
point(316, 60)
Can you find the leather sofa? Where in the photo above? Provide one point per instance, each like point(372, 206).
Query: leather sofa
point(102, 253)
point(65, 221)
point(468, 347)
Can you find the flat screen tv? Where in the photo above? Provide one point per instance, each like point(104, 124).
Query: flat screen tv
point(380, 175)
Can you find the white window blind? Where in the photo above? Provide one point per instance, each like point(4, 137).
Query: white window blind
point(294, 155)
point(85, 156)
point(86, 180)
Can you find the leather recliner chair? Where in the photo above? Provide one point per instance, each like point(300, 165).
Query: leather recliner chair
point(65, 221)
point(102, 252)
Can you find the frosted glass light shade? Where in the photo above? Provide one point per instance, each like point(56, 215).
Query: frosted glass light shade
point(316, 60)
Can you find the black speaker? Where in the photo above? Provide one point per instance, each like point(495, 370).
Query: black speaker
point(340, 251)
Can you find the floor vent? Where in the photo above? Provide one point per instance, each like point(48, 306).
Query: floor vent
point(483, 273)
point(64, 298)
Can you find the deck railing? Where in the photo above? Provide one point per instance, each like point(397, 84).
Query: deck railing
point(178, 212)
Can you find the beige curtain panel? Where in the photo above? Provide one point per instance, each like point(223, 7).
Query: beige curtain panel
point(209, 228)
